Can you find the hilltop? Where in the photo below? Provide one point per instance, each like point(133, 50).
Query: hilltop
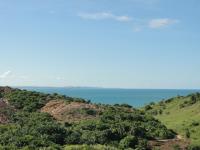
point(181, 114)
point(34, 120)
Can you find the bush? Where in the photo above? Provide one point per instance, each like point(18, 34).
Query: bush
point(142, 145)
point(195, 123)
point(194, 147)
point(118, 126)
point(125, 105)
point(187, 133)
point(89, 147)
point(148, 107)
point(128, 142)
point(32, 130)
point(176, 147)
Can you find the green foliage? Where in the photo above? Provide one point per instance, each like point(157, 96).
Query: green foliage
point(119, 126)
point(125, 105)
point(187, 133)
point(26, 100)
point(89, 147)
point(128, 142)
point(180, 113)
point(195, 123)
point(176, 147)
point(31, 101)
point(116, 126)
point(32, 130)
point(194, 147)
point(142, 144)
point(148, 107)
point(193, 99)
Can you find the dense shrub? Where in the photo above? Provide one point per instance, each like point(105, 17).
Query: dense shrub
point(194, 147)
point(117, 126)
point(33, 130)
point(31, 101)
point(193, 99)
point(128, 141)
point(89, 147)
point(147, 107)
point(195, 123)
point(187, 133)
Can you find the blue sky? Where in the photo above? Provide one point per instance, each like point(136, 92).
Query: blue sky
point(104, 43)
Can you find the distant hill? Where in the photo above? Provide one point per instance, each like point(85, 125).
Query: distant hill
point(182, 114)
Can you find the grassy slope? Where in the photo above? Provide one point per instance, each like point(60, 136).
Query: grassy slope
point(180, 119)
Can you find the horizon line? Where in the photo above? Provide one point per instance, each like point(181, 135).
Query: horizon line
point(97, 87)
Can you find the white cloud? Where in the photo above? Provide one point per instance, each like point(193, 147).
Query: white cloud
point(162, 22)
point(103, 16)
point(5, 74)
point(139, 23)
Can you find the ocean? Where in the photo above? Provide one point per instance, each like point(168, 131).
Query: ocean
point(134, 97)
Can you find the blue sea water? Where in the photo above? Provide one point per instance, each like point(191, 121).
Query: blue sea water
point(134, 97)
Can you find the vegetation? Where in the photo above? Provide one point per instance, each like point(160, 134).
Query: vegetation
point(119, 128)
point(98, 127)
point(31, 101)
point(89, 147)
point(182, 115)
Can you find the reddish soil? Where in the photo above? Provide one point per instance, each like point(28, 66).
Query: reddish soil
point(169, 144)
point(3, 106)
point(70, 112)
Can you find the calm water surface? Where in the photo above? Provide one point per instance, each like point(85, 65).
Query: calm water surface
point(134, 97)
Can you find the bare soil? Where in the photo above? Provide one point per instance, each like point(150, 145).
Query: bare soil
point(70, 112)
point(169, 144)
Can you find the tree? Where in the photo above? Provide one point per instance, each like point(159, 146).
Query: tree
point(128, 142)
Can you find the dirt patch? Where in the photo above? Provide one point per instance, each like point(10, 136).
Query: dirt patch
point(5, 109)
point(6, 90)
point(71, 111)
point(3, 103)
point(3, 119)
point(170, 144)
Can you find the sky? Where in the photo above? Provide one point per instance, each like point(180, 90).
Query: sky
point(100, 43)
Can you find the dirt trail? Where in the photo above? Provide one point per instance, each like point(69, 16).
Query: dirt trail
point(168, 144)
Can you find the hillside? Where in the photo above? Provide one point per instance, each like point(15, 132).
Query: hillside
point(71, 111)
point(33, 120)
point(182, 114)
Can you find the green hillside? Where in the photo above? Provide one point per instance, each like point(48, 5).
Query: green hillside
point(182, 114)
point(33, 120)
